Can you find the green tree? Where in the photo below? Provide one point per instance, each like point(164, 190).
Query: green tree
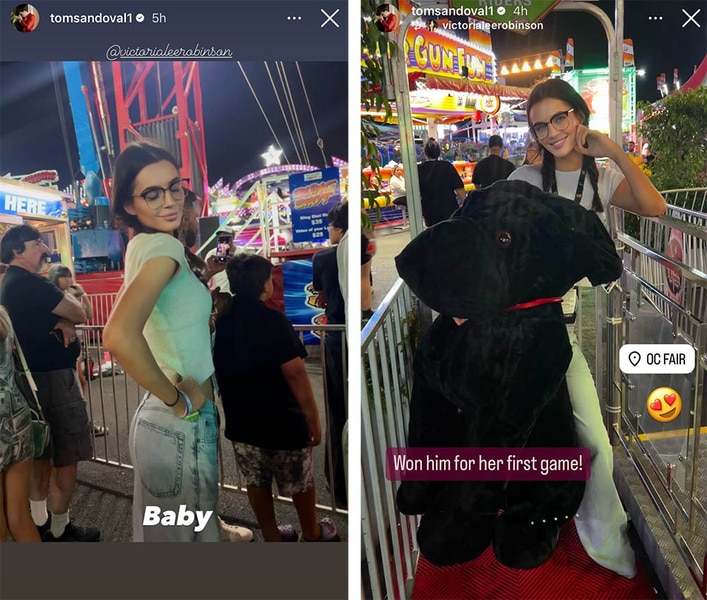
point(677, 134)
point(374, 45)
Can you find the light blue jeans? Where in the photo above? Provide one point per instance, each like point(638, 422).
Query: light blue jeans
point(176, 463)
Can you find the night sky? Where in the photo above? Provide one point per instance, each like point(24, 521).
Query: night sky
point(659, 45)
point(236, 132)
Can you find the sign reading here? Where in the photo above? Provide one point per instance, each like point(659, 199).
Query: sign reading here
point(13, 204)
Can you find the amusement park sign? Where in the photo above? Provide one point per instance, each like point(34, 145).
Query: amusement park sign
point(430, 52)
point(19, 204)
point(312, 196)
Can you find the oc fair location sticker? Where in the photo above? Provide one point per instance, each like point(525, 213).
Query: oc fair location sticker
point(664, 404)
point(649, 359)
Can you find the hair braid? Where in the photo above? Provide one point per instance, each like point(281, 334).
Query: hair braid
point(591, 166)
point(548, 172)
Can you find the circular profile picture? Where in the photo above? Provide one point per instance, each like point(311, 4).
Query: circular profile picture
point(25, 18)
point(387, 18)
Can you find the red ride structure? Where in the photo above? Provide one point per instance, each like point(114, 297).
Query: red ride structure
point(162, 102)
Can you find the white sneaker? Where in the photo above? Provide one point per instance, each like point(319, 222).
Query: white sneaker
point(234, 533)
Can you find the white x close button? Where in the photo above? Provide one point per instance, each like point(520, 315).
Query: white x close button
point(329, 17)
point(691, 18)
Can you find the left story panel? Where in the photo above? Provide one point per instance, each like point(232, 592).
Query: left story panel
point(173, 350)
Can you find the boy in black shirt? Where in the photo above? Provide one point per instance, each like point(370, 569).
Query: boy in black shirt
point(271, 415)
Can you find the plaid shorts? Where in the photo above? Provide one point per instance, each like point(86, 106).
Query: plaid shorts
point(292, 469)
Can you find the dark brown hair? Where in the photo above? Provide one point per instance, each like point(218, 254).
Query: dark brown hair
point(247, 275)
point(559, 89)
point(195, 262)
point(133, 159)
point(432, 149)
point(14, 241)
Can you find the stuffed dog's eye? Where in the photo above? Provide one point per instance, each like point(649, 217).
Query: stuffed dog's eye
point(504, 239)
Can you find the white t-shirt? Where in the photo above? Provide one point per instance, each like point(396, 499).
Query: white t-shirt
point(397, 187)
point(609, 179)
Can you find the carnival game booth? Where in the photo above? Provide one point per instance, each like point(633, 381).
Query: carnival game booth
point(41, 207)
point(451, 78)
point(281, 213)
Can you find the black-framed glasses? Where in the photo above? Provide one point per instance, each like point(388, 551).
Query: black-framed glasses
point(560, 121)
point(155, 195)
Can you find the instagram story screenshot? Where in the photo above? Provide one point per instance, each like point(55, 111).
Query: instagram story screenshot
point(534, 415)
point(173, 185)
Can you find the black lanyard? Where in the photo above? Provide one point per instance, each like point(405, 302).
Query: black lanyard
point(580, 186)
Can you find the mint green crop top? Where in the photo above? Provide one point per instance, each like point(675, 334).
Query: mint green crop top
point(177, 330)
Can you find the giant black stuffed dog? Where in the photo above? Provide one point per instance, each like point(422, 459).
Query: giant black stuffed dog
point(498, 380)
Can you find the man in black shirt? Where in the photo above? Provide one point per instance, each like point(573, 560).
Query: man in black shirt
point(441, 188)
point(325, 279)
point(492, 168)
point(44, 318)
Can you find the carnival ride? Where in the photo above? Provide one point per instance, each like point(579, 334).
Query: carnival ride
point(163, 102)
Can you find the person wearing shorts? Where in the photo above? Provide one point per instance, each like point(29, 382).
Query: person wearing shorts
point(271, 414)
point(44, 319)
point(16, 446)
point(292, 470)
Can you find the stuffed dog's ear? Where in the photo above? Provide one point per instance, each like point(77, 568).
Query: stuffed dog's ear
point(436, 266)
point(595, 252)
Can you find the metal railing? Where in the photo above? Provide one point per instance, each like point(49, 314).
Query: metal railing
point(663, 299)
point(113, 398)
point(670, 459)
point(388, 538)
point(690, 198)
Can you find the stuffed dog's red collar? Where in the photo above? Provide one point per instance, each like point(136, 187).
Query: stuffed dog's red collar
point(533, 303)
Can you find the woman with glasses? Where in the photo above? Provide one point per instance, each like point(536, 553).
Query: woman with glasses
point(558, 118)
point(159, 332)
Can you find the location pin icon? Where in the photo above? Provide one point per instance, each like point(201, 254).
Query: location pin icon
point(634, 358)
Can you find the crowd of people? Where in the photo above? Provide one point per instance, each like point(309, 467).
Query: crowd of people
point(187, 347)
point(41, 326)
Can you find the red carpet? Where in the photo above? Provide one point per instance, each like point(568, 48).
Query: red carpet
point(569, 574)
